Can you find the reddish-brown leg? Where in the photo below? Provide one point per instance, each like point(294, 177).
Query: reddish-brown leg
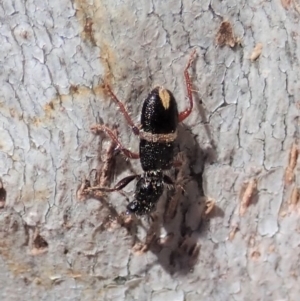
point(102, 128)
point(134, 128)
point(188, 83)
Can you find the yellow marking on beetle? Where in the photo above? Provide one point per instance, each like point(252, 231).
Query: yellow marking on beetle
point(165, 97)
point(166, 138)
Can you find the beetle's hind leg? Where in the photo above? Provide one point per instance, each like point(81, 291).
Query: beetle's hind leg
point(176, 190)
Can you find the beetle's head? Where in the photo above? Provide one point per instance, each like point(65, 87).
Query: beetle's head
point(149, 189)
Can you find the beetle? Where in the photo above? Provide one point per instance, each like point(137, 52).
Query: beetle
point(157, 133)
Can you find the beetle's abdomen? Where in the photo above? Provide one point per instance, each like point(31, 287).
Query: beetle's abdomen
point(156, 156)
point(159, 112)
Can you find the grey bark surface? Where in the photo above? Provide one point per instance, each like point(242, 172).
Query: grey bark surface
point(55, 56)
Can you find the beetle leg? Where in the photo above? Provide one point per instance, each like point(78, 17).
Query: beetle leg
point(102, 128)
point(168, 180)
point(188, 83)
point(134, 128)
point(172, 204)
point(120, 185)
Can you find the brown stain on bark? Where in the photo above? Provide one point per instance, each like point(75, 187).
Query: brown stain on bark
point(225, 35)
point(286, 3)
point(293, 157)
point(95, 21)
point(77, 94)
point(95, 30)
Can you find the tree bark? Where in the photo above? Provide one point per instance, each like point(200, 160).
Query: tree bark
point(240, 146)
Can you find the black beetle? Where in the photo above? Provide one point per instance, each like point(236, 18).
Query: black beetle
point(157, 133)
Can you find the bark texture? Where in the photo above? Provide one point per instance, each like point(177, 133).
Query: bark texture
point(55, 57)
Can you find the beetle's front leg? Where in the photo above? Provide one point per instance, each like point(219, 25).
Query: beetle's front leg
point(183, 115)
point(123, 110)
